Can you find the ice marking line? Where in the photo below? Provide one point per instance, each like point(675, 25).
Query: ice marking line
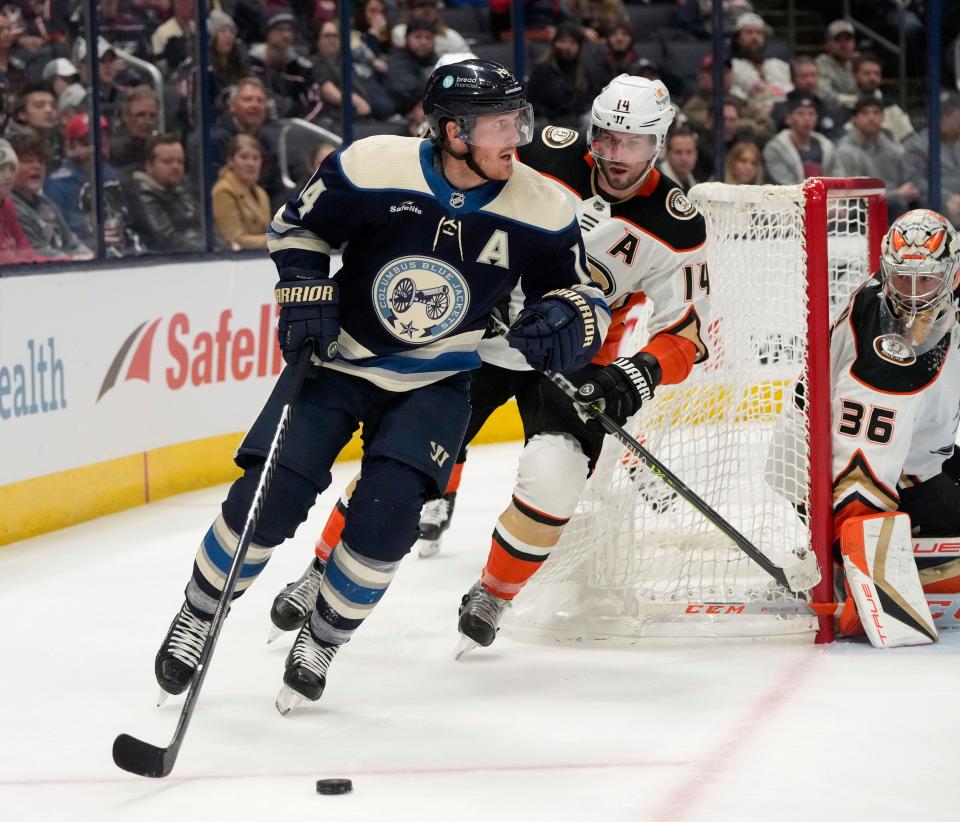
point(353, 772)
point(715, 762)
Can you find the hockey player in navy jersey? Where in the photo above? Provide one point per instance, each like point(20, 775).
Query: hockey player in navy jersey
point(644, 240)
point(433, 233)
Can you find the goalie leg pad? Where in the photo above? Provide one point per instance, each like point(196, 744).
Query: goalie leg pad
point(883, 581)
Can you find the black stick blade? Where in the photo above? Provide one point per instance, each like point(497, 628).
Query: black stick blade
point(142, 758)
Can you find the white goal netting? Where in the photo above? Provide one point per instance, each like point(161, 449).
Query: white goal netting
point(636, 560)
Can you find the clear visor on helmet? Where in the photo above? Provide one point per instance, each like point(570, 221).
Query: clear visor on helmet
point(919, 321)
point(506, 129)
point(622, 147)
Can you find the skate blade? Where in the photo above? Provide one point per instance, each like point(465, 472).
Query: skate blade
point(287, 700)
point(464, 646)
point(428, 548)
point(274, 633)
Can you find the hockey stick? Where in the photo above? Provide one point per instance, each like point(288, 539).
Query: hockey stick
point(800, 577)
point(141, 757)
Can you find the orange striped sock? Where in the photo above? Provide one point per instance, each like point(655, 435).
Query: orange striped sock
point(510, 563)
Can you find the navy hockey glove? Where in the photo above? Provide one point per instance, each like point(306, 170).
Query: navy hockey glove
point(309, 310)
point(558, 332)
point(623, 386)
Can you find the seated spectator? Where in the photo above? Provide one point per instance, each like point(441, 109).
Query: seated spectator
point(759, 125)
point(42, 222)
point(541, 16)
point(69, 185)
point(618, 56)
point(35, 113)
point(798, 152)
point(165, 214)
point(764, 81)
point(126, 25)
point(410, 66)
point(13, 70)
point(836, 66)
point(228, 58)
point(680, 157)
point(246, 114)
point(806, 81)
point(445, 40)
point(138, 123)
point(744, 165)
point(175, 40)
point(241, 209)
point(60, 73)
point(287, 77)
point(868, 75)
point(598, 17)
point(735, 130)
point(72, 101)
point(31, 21)
point(115, 83)
point(561, 89)
point(866, 151)
point(370, 99)
point(370, 23)
point(14, 246)
point(917, 152)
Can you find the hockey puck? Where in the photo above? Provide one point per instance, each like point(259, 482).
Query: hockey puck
point(334, 786)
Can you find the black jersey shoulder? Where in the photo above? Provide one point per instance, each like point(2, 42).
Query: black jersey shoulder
point(880, 362)
point(560, 153)
point(663, 210)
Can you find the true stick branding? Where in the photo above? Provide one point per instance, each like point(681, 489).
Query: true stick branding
point(36, 384)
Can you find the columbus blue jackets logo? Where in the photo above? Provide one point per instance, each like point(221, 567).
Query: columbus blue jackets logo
point(420, 299)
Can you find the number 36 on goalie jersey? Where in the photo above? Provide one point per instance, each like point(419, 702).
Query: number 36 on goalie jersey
point(894, 414)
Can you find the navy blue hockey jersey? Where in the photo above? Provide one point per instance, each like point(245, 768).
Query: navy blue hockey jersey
point(424, 264)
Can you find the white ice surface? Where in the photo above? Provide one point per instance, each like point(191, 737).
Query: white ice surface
point(667, 731)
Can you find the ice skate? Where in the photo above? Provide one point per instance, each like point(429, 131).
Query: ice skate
point(306, 671)
point(434, 520)
point(179, 653)
point(480, 613)
point(294, 603)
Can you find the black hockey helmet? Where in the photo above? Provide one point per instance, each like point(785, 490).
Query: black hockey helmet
point(473, 88)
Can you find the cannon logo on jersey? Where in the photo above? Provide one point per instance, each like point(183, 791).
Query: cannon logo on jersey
point(679, 205)
point(558, 136)
point(419, 299)
point(894, 348)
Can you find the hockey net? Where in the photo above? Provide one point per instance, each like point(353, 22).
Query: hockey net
point(636, 560)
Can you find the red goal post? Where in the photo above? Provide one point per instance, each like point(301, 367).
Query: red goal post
point(635, 561)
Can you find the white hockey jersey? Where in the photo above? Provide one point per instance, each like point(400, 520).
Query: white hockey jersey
point(894, 415)
point(649, 246)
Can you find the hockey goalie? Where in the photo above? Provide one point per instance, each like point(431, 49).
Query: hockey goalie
point(895, 373)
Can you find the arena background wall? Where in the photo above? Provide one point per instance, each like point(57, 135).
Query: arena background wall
point(125, 385)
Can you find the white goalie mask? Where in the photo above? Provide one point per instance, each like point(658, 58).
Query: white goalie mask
point(629, 123)
point(920, 264)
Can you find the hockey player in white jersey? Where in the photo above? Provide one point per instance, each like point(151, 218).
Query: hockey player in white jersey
point(896, 406)
point(644, 240)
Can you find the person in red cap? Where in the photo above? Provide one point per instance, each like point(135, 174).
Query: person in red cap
point(69, 184)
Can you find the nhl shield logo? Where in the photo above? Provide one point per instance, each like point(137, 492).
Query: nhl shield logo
point(420, 299)
point(457, 199)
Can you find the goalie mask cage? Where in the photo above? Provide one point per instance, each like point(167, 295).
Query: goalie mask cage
point(636, 560)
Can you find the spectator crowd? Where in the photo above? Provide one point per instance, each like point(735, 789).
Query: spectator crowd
point(274, 105)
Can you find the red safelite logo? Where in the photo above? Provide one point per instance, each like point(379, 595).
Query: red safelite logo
point(200, 358)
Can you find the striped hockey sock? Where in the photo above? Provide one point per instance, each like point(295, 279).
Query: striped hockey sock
point(212, 564)
point(351, 588)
